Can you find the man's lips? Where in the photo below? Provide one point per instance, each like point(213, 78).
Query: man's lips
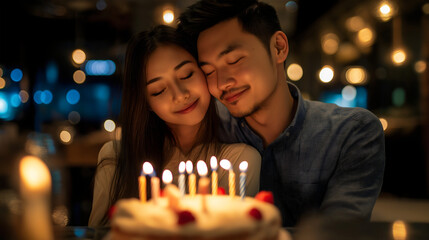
point(231, 97)
point(188, 108)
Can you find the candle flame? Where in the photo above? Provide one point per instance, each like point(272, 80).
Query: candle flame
point(167, 176)
point(189, 167)
point(202, 168)
point(147, 168)
point(213, 162)
point(243, 166)
point(35, 174)
point(225, 164)
point(182, 167)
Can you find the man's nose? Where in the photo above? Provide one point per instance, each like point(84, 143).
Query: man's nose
point(225, 80)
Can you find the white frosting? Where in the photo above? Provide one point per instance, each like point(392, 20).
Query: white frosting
point(225, 216)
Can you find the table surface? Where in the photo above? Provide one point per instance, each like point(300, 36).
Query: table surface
point(314, 230)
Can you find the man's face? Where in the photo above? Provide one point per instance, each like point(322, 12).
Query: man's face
point(240, 72)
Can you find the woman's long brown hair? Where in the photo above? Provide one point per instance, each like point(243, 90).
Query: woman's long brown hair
point(146, 137)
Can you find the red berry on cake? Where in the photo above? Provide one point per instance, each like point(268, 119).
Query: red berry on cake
point(111, 211)
point(265, 196)
point(221, 191)
point(255, 213)
point(185, 217)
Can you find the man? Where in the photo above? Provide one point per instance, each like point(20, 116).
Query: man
point(315, 156)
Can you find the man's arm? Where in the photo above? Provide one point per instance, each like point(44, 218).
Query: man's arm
point(356, 183)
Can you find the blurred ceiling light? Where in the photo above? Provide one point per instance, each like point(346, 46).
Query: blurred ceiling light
point(398, 56)
point(79, 76)
point(168, 16)
point(330, 42)
point(78, 56)
point(294, 72)
point(386, 10)
point(2, 83)
point(356, 75)
point(425, 8)
point(365, 37)
point(420, 66)
point(347, 52)
point(355, 23)
point(326, 74)
point(384, 123)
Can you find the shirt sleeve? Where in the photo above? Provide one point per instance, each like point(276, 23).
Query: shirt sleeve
point(236, 153)
point(102, 184)
point(356, 182)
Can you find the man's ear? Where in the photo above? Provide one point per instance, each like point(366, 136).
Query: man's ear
point(281, 46)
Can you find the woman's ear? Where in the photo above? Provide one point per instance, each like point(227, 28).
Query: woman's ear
point(281, 46)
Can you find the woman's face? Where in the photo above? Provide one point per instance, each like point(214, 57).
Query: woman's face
point(176, 87)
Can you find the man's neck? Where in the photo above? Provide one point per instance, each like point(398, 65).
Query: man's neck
point(275, 115)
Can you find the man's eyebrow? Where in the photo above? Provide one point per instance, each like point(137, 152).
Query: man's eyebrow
point(227, 50)
point(175, 69)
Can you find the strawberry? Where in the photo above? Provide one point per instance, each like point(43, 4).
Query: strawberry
point(221, 191)
point(265, 196)
point(255, 213)
point(111, 211)
point(185, 217)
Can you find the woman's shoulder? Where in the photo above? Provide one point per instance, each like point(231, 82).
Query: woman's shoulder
point(109, 151)
point(239, 150)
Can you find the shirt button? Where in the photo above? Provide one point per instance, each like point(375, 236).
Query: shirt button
point(242, 124)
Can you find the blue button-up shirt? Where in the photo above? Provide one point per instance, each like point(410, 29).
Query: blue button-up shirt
point(329, 159)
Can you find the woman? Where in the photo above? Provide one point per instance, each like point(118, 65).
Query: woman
point(167, 116)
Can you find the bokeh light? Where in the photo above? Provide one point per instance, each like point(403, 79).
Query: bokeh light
point(330, 43)
point(79, 76)
point(349, 93)
point(66, 137)
point(16, 75)
point(355, 23)
point(73, 96)
point(168, 16)
point(78, 56)
point(24, 96)
point(420, 66)
point(356, 75)
point(109, 125)
point(399, 230)
point(74, 117)
point(398, 97)
point(384, 123)
point(365, 37)
point(2, 83)
point(326, 74)
point(398, 56)
point(294, 72)
point(386, 10)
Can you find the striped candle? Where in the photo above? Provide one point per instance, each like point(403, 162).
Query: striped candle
point(226, 164)
point(182, 167)
point(192, 179)
point(243, 168)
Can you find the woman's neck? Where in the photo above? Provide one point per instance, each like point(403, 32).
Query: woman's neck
point(185, 136)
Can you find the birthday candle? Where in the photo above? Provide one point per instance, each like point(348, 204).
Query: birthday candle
point(225, 164)
point(243, 168)
point(203, 183)
point(213, 165)
point(146, 170)
point(154, 181)
point(192, 178)
point(182, 167)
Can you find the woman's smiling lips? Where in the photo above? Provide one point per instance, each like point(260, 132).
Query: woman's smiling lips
point(188, 108)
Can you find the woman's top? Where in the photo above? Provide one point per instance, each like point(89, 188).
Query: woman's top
point(235, 153)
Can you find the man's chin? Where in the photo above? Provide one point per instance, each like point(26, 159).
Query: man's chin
point(239, 113)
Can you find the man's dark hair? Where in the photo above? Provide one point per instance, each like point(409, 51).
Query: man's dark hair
point(257, 18)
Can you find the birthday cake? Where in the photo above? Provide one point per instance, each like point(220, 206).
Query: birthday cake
point(197, 217)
